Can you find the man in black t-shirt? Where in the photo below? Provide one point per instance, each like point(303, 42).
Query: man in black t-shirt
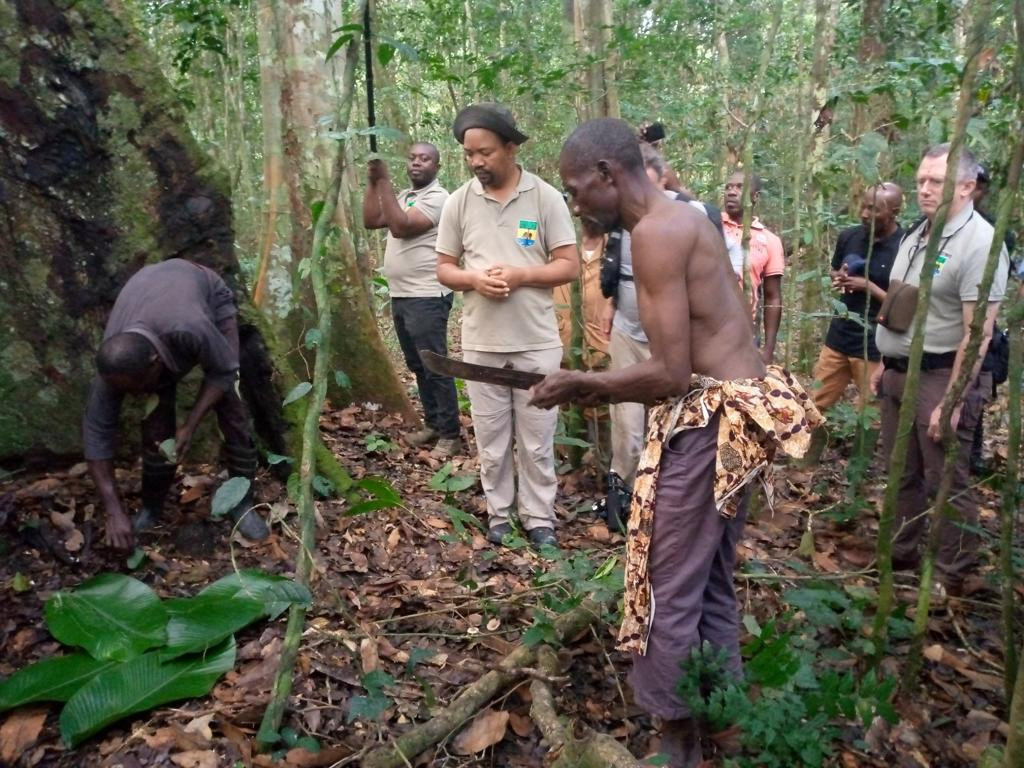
point(168, 318)
point(860, 272)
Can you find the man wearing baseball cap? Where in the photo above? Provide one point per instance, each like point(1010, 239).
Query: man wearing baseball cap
point(506, 239)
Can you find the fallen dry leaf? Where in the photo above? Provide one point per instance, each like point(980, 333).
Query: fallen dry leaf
point(174, 736)
point(19, 732)
point(522, 725)
point(393, 538)
point(64, 521)
point(238, 737)
point(976, 745)
point(303, 758)
point(487, 729)
point(825, 562)
point(201, 726)
point(75, 541)
point(368, 654)
point(195, 758)
point(78, 470)
point(40, 489)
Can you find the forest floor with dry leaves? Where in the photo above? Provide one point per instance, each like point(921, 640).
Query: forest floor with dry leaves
point(419, 595)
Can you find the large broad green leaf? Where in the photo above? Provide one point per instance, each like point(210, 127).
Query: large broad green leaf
point(201, 622)
point(140, 684)
point(275, 592)
point(54, 679)
point(112, 616)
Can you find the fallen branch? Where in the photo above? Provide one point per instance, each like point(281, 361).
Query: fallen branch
point(592, 749)
point(542, 708)
point(477, 694)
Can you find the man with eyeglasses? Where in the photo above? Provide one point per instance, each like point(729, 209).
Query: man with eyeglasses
point(963, 251)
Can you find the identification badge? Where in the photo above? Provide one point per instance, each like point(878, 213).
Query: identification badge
point(940, 261)
point(526, 233)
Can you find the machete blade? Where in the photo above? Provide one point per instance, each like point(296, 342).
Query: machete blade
point(488, 374)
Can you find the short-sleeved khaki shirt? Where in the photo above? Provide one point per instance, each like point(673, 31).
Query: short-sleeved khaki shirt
point(963, 251)
point(410, 263)
point(482, 232)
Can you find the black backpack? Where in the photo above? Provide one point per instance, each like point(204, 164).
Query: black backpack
point(997, 358)
point(611, 262)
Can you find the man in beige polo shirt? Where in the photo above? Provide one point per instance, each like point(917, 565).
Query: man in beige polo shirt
point(506, 239)
point(419, 304)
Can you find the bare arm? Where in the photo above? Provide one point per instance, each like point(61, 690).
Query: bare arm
point(660, 277)
point(118, 526)
point(209, 395)
point(373, 216)
point(934, 430)
point(407, 222)
point(401, 222)
point(772, 315)
point(220, 365)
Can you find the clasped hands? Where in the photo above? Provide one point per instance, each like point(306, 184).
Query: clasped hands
point(844, 282)
point(497, 282)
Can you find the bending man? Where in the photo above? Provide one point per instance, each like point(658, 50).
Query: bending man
point(168, 318)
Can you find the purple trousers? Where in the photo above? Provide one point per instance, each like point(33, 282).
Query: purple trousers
point(693, 552)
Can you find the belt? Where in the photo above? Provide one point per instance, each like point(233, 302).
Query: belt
point(930, 361)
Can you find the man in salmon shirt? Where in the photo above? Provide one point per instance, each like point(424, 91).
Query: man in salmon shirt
point(765, 261)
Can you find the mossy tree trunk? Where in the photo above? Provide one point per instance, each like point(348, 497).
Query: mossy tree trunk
point(98, 177)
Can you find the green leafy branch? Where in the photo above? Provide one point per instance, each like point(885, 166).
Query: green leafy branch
point(138, 651)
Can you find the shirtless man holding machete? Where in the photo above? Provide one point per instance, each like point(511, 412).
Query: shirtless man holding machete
point(720, 417)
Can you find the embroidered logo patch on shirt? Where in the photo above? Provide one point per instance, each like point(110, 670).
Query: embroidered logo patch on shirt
point(526, 233)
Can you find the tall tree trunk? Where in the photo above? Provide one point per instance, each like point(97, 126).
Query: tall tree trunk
point(270, 102)
point(98, 176)
point(825, 12)
point(355, 343)
point(756, 108)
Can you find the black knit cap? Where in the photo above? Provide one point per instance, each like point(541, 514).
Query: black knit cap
point(489, 115)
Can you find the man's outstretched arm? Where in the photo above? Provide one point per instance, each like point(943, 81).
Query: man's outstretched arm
point(118, 526)
point(400, 222)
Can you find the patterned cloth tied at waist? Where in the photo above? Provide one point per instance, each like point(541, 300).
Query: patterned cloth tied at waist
point(758, 416)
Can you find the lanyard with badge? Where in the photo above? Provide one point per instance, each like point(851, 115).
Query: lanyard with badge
point(900, 303)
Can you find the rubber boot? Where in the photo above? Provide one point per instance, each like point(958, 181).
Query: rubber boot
point(157, 478)
point(680, 741)
point(243, 461)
